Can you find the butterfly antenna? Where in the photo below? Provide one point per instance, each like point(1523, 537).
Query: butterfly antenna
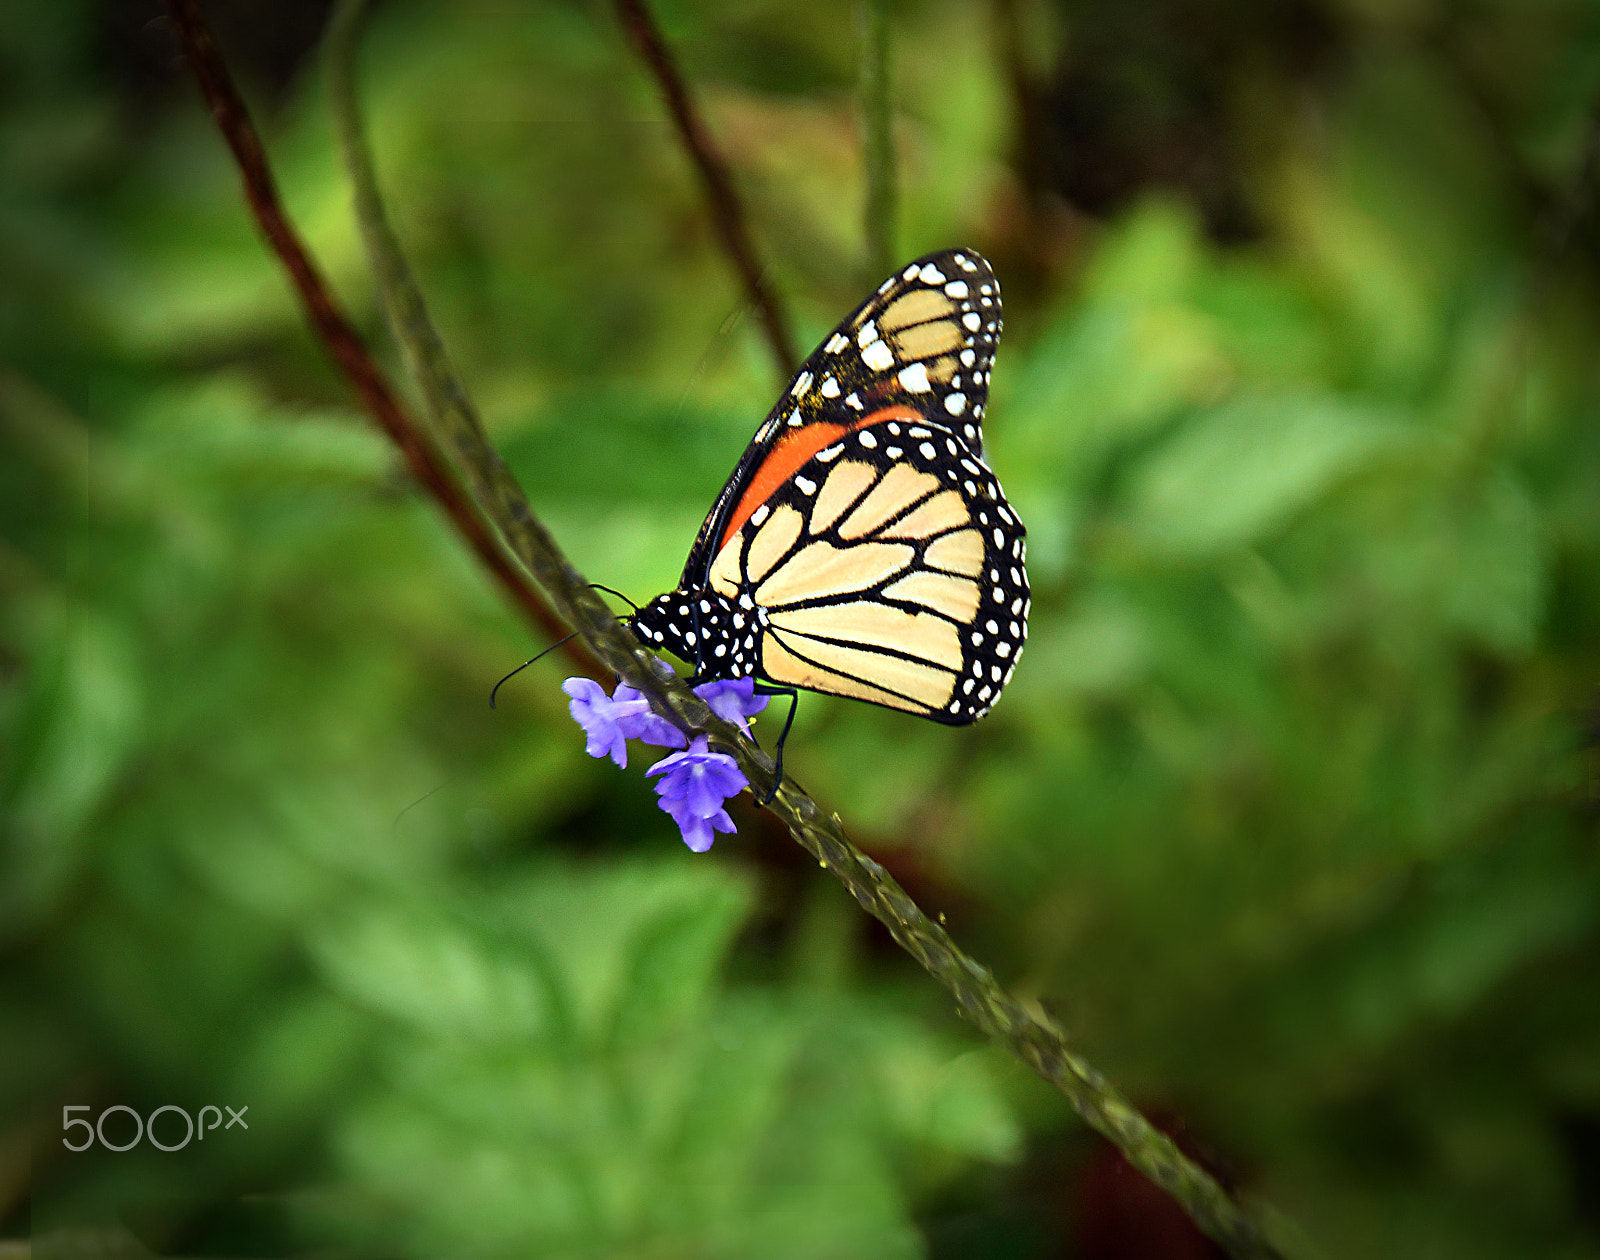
point(595, 586)
point(493, 690)
point(777, 752)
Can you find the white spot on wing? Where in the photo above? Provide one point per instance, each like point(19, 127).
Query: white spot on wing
point(913, 379)
point(877, 356)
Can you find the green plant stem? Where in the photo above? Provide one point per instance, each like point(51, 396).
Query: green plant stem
point(877, 135)
point(1033, 1038)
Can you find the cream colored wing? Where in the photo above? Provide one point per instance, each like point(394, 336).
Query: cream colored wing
point(889, 568)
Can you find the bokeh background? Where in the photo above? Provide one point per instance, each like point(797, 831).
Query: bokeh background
point(1289, 814)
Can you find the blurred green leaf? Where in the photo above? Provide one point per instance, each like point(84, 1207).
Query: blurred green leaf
point(70, 739)
point(1234, 473)
point(434, 977)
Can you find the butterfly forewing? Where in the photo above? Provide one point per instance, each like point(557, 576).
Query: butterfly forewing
point(925, 341)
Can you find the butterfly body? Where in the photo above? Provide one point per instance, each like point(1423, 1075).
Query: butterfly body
point(862, 546)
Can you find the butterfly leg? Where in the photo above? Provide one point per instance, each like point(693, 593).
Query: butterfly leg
point(777, 751)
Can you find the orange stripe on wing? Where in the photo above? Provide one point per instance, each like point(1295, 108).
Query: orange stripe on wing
point(789, 455)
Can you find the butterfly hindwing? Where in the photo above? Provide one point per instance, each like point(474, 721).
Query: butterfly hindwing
point(888, 568)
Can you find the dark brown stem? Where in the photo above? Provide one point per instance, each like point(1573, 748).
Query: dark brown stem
point(726, 211)
point(337, 333)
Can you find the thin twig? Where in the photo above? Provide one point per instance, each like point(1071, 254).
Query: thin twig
point(726, 211)
point(877, 135)
point(336, 331)
point(1035, 1039)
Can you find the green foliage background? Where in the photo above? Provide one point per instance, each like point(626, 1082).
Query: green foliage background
point(1289, 813)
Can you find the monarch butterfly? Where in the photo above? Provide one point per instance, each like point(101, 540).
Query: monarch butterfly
point(862, 547)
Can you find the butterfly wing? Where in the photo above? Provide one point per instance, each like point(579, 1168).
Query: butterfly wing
point(888, 568)
point(925, 341)
point(862, 527)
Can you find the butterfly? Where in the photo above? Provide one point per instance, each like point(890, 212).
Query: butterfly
point(862, 547)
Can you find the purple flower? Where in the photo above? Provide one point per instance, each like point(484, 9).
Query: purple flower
point(643, 722)
point(733, 700)
point(610, 721)
point(601, 718)
point(697, 831)
point(697, 783)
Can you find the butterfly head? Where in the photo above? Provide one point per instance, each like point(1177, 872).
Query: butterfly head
point(703, 627)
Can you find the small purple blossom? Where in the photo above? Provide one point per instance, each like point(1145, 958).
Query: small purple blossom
point(610, 721)
point(644, 723)
point(697, 832)
point(697, 783)
point(733, 700)
point(601, 718)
